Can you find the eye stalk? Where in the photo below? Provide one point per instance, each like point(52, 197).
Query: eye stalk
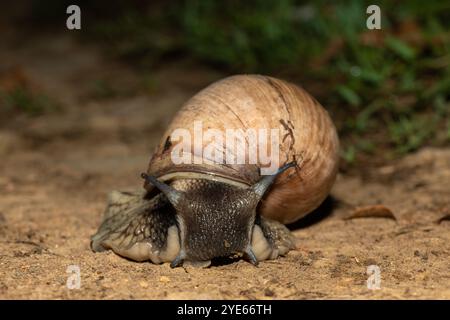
point(262, 185)
point(174, 196)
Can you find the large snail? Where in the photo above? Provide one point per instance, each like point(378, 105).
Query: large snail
point(194, 207)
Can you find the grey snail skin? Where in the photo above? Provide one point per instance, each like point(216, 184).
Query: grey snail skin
point(194, 212)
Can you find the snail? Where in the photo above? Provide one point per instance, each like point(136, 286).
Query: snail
point(196, 210)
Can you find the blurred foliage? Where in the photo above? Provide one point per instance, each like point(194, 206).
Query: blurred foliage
point(23, 100)
point(20, 95)
point(386, 89)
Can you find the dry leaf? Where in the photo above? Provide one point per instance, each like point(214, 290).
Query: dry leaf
point(373, 211)
point(444, 218)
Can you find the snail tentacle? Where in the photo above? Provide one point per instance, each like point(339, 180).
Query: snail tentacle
point(262, 185)
point(173, 195)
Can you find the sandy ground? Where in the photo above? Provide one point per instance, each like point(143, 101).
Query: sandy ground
point(56, 170)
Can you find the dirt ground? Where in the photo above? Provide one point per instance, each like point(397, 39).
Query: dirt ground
point(56, 170)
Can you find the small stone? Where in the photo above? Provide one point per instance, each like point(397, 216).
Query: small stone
point(164, 279)
point(268, 292)
point(143, 284)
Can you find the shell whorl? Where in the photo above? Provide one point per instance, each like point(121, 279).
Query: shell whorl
point(307, 135)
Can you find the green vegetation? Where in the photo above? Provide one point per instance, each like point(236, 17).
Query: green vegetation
point(388, 90)
point(23, 100)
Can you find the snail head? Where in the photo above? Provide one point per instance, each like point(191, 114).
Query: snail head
point(215, 219)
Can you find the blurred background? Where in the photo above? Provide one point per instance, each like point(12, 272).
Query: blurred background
point(387, 89)
point(82, 110)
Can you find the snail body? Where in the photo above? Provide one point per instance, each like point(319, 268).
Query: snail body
point(223, 199)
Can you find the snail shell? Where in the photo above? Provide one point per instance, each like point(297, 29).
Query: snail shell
point(308, 137)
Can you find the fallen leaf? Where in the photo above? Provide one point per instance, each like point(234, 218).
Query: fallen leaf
point(373, 211)
point(444, 218)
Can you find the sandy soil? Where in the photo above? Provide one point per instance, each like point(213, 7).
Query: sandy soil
point(56, 170)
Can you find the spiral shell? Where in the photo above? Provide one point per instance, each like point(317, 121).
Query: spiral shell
point(307, 135)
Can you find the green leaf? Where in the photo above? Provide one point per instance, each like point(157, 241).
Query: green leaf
point(349, 95)
point(349, 154)
point(400, 48)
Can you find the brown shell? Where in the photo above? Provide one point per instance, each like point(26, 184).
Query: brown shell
point(307, 135)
